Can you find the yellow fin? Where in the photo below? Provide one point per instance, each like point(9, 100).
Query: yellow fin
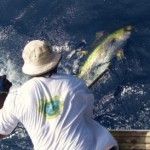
point(99, 34)
point(84, 52)
point(120, 54)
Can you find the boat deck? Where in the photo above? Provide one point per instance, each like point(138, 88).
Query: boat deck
point(132, 139)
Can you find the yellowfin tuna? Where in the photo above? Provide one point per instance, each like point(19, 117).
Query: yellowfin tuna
point(103, 52)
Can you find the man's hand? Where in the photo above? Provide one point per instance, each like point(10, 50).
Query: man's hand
point(5, 85)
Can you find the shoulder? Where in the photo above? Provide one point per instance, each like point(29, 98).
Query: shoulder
point(69, 81)
point(56, 80)
point(28, 86)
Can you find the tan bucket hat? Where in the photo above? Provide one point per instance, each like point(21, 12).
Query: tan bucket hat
point(39, 58)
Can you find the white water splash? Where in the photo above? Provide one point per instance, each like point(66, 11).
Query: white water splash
point(129, 90)
point(13, 72)
point(72, 59)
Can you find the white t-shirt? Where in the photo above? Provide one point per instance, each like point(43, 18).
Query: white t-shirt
point(57, 114)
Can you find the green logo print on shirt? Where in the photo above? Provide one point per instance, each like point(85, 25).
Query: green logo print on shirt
point(51, 108)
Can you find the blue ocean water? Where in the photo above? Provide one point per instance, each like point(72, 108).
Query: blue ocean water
point(122, 99)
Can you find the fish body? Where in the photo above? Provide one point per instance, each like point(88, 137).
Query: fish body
point(103, 52)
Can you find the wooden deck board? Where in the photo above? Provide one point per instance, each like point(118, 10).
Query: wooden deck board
point(143, 140)
point(132, 139)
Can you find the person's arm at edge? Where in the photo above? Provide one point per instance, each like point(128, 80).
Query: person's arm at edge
point(2, 100)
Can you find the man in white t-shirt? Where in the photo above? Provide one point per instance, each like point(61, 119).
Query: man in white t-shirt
point(55, 109)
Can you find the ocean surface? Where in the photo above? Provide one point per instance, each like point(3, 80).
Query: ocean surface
point(122, 97)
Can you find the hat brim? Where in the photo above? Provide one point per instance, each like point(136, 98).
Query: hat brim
point(35, 70)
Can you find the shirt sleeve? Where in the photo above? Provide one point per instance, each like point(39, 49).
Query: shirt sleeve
point(8, 121)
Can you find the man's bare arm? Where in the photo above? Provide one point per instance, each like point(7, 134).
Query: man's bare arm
point(5, 85)
point(2, 99)
point(4, 89)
